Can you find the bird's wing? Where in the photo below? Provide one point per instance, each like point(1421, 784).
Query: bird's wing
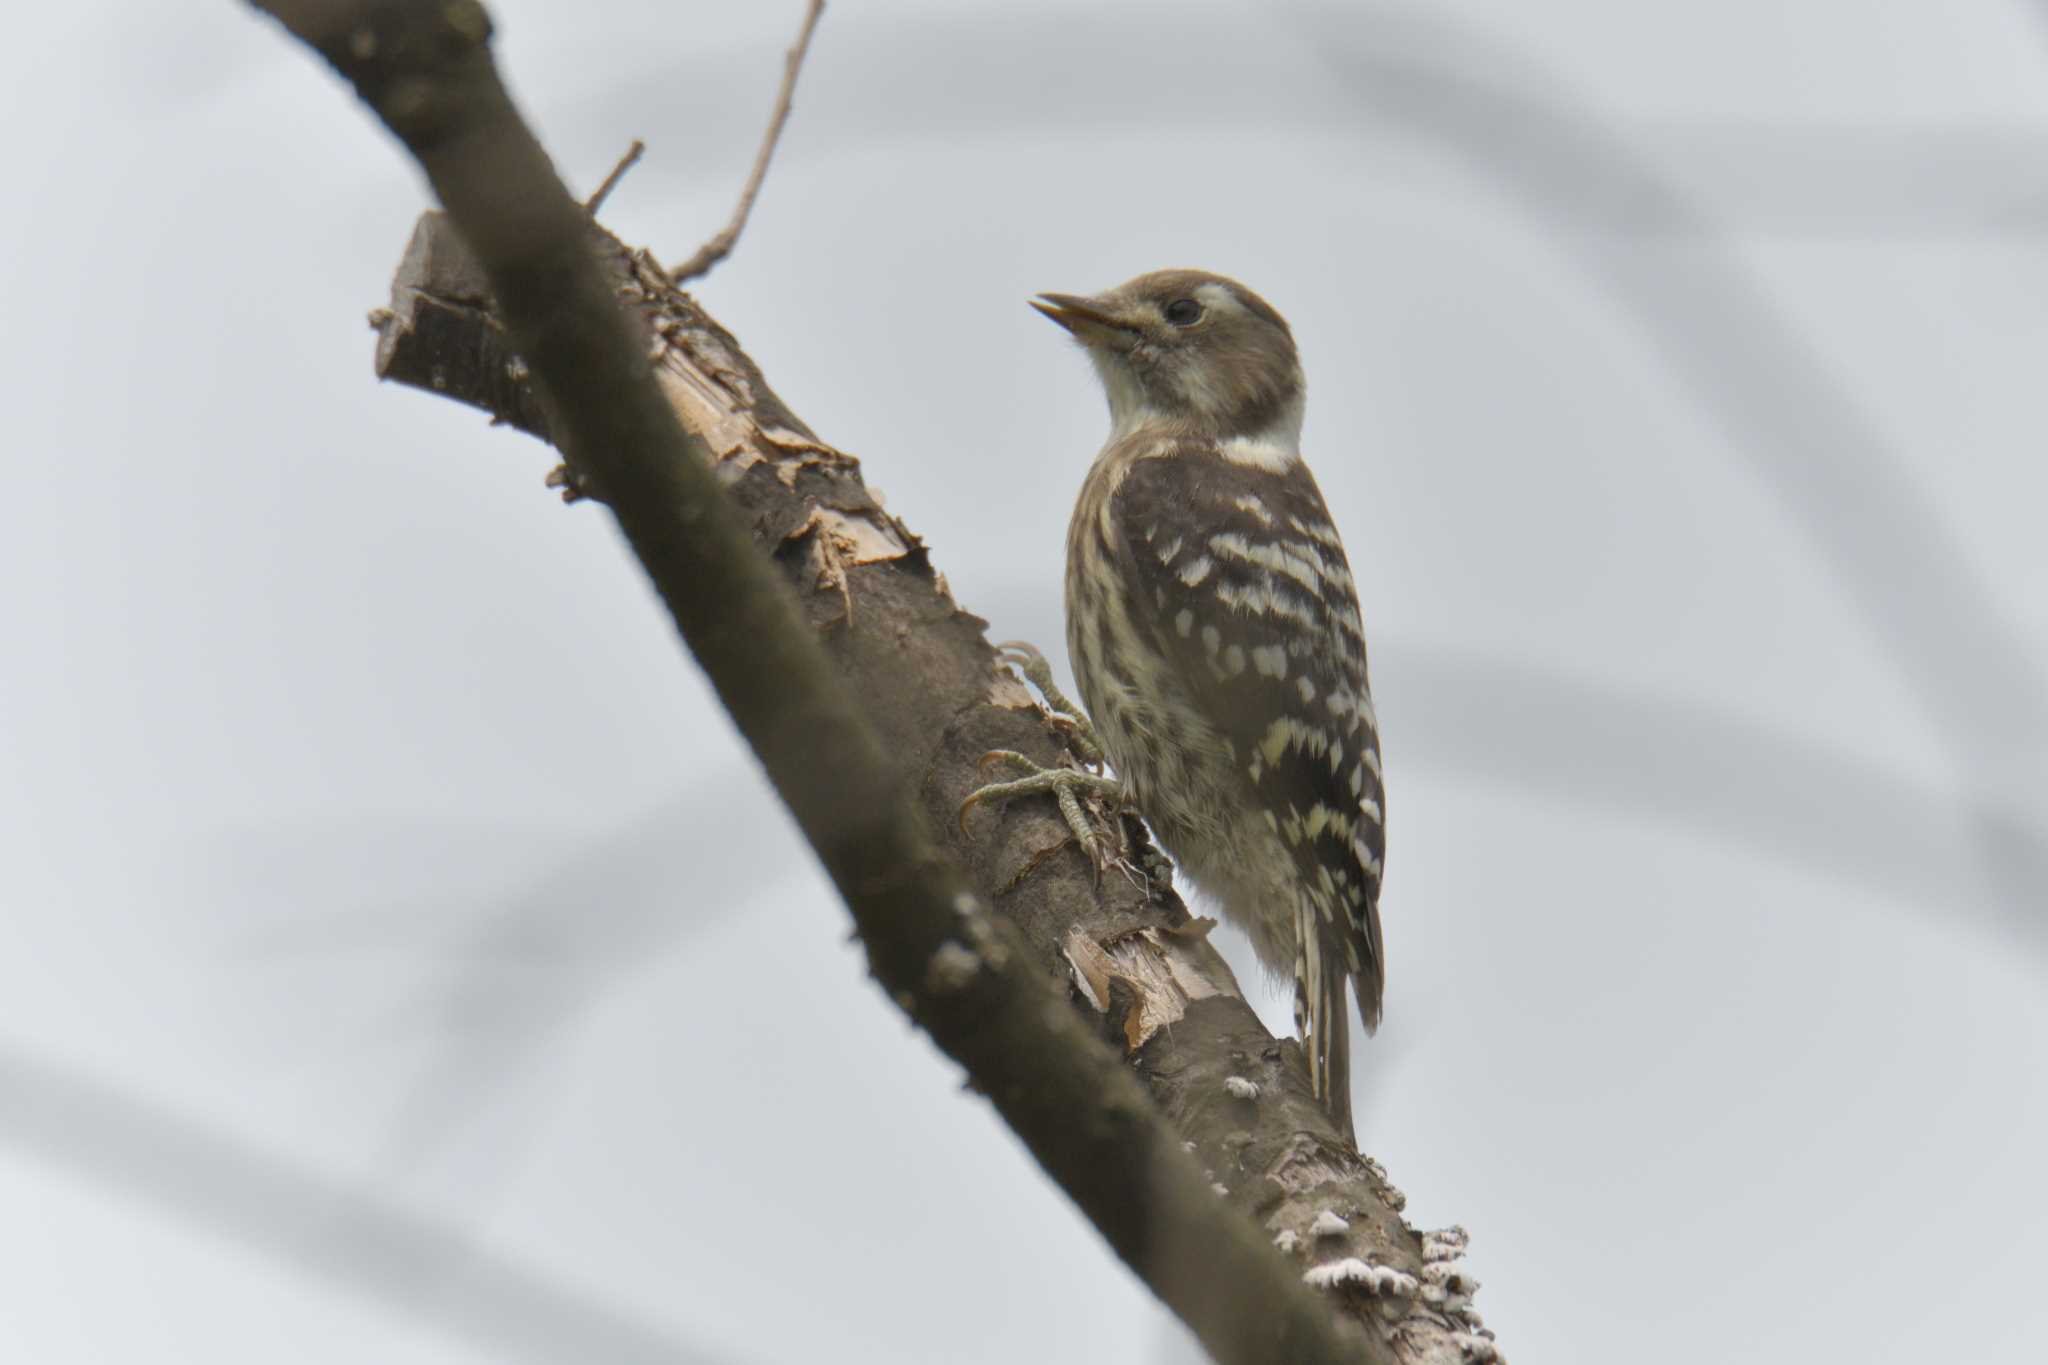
point(1244, 582)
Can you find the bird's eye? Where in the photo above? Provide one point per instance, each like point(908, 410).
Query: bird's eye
point(1183, 312)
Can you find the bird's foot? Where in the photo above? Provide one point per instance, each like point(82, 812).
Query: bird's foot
point(1079, 794)
point(1068, 718)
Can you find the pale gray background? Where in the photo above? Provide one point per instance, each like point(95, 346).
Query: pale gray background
point(370, 857)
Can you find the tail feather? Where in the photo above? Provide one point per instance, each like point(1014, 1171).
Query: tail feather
point(1322, 1021)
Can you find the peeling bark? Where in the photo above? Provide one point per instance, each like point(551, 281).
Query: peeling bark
point(1131, 957)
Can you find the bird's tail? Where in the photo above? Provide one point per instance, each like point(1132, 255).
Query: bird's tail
point(1322, 1020)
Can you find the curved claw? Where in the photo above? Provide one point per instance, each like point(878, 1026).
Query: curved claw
point(967, 806)
point(1060, 710)
point(1000, 789)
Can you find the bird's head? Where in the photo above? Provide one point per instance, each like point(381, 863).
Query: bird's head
point(1190, 352)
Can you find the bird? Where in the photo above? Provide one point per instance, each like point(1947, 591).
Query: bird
point(1215, 634)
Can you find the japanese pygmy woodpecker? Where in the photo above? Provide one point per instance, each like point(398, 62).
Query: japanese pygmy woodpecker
point(1215, 634)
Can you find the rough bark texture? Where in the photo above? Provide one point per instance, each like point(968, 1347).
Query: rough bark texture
point(1131, 956)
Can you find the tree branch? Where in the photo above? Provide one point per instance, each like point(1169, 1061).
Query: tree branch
point(721, 244)
point(536, 335)
point(613, 177)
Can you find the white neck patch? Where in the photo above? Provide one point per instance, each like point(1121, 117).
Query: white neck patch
point(1271, 448)
point(1260, 453)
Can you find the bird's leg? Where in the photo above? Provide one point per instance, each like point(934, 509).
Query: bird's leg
point(1066, 715)
point(1067, 786)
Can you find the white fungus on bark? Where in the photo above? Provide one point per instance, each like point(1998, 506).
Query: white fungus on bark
point(1445, 1244)
point(1353, 1273)
point(1328, 1224)
point(1453, 1278)
point(1241, 1088)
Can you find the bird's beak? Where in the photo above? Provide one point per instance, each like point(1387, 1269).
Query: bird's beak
point(1078, 315)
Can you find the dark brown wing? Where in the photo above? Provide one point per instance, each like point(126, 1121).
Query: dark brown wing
point(1256, 607)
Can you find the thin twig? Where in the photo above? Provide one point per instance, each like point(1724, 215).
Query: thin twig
point(603, 191)
point(720, 246)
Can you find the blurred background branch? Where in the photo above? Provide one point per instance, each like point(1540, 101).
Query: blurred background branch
point(340, 1230)
point(1801, 431)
